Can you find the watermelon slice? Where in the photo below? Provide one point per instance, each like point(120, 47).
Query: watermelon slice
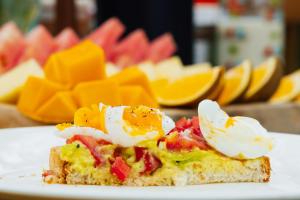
point(12, 44)
point(39, 45)
point(66, 39)
point(132, 49)
point(161, 48)
point(107, 35)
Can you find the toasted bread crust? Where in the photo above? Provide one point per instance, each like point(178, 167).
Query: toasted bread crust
point(256, 170)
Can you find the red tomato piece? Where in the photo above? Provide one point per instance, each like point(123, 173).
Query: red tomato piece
point(151, 163)
point(120, 169)
point(47, 173)
point(139, 153)
point(176, 142)
point(92, 144)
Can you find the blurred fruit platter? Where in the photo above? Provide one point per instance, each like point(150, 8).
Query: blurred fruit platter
point(45, 79)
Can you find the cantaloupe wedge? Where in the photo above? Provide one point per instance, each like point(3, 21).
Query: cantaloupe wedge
point(94, 92)
point(35, 93)
point(236, 80)
point(133, 76)
point(58, 109)
point(288, 89)
point(83, 62)
point(265, 79)
point(187, 90)
point(136, 95)
point(12, 81)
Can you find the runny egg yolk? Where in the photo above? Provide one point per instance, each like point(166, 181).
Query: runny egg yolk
point(91, 117)
point(140, 120)
point(230, 122)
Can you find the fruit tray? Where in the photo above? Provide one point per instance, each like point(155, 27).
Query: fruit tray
point(279, 117)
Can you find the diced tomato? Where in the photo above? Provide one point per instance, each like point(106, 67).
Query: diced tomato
point(151, 163)
point(120, 169)
point(177, 141)
point(195, 122)
point(47, 173)
point(139, 153)
point(92, 144)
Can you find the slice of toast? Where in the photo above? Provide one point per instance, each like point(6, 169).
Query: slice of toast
point(253, 170)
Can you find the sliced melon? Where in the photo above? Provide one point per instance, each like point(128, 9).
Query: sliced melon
point(237, 80)
point(265, 79)
point(12, 81)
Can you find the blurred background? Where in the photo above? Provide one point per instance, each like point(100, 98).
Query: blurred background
point(204, 30)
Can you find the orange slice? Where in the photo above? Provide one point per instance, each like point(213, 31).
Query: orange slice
point(237, 80)
point(288, 89)
point(195, 68)
point(265, 79)
point(188, 89)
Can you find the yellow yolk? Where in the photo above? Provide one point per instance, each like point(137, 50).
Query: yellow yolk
point(91, 117)
point(140, 120)
point(230, 122)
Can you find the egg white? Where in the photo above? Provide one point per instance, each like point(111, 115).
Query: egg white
point(117, 132)
point(244, 138)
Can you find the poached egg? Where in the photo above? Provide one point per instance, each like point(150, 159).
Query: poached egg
point(236, 137)
point(122, 125)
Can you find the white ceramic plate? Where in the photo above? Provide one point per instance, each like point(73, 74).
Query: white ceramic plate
point(24, 154)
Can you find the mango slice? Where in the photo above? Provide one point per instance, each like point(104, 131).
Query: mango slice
point(36, 92)
point(94, 92)
point(83, 62)
point(136, 95)
point(58, 109)
point(133, 76)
